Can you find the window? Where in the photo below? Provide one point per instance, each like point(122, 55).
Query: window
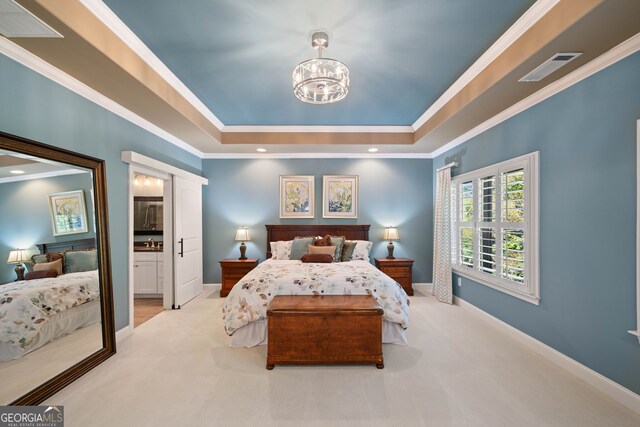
point(495, 226)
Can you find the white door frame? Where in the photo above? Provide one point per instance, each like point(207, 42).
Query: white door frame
point(152, 167)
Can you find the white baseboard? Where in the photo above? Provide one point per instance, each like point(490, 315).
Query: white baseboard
point(425, 288)
point(123, 333)
point(615, 391)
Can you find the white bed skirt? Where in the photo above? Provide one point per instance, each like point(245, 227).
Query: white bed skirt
point(56, 326)
point(255, 333)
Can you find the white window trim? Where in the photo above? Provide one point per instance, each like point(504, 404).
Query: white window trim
point(529, 163)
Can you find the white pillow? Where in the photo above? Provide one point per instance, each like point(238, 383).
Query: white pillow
point(281, 250)
point(362, 250)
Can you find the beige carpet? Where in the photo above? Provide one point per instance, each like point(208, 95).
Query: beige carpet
point(178, 370)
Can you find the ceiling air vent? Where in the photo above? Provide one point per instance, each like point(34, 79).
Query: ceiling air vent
point(549, 66)
point(16, 21)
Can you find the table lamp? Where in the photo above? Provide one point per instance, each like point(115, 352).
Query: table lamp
point(242, 235)
point(18, 257)
point(391, 234)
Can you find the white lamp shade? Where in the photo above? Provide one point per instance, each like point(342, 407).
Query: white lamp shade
point(242, 235)
point(391, 233)
point(17, 256)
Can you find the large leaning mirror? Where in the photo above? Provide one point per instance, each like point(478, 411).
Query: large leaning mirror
point(56, 301)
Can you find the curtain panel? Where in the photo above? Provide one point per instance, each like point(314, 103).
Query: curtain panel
point(442, 280)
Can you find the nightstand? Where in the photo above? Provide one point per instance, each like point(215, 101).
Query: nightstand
point(399, 269)
point(234, 269)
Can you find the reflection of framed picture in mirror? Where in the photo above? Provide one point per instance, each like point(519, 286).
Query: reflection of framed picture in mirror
point(68, 213)
point(296, 196)
point(340, 196)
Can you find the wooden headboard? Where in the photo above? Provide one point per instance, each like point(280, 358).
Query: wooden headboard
point(288, 232)
point(70, 245)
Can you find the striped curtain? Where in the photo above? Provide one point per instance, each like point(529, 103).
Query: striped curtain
point(442, 281)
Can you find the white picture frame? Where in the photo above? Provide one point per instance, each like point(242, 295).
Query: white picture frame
point(297, 195)
point(340, 196)
point(68, 213)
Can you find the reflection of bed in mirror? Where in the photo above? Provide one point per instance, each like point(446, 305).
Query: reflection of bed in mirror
point(35, 312)
point(50, 343)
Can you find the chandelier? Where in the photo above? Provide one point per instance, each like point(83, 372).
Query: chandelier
point(320, 80)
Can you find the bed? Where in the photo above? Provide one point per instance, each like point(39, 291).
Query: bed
point(35, 312)
point(245, 308)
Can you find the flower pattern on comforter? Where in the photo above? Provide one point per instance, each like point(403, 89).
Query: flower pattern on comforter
point(25, 306)
point(250, 297)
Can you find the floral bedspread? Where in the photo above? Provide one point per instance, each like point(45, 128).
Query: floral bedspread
point(25, 306)
point(250, 297)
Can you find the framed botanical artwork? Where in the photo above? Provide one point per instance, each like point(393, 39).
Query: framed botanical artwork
point(340, 196)
point(296, 196)
point(68, 213)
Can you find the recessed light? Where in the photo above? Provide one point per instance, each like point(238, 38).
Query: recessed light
point(261, 150)
point(373, 150)
point(17, 172)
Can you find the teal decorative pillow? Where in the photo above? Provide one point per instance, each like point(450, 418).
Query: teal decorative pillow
point(76, 261)
point(300, 247)
point(338, 242)
point(347, 250)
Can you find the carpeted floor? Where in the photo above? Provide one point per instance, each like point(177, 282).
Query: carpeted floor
point(178, 370)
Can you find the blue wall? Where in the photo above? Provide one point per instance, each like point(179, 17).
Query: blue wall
point(34, 107)
point(245, 192)
point(586, 136)
point(26, 218)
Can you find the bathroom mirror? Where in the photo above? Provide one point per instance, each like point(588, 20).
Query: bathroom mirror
point(56, 301)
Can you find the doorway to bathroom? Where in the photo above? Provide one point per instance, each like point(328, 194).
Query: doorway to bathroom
point(149, 191)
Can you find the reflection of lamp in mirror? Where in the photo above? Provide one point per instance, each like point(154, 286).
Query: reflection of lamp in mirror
point(242, 235)
point(18, 257)
point(391, 234)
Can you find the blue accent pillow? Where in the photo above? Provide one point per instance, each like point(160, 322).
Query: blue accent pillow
point(300, 247)
point(76, 261)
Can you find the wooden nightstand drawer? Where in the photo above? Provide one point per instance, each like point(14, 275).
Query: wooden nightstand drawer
point(233, 270)
point(236, 274)
point(399, 269)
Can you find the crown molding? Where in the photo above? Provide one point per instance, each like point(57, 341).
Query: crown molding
point(608, 58)
point(317, 156)
point(42, 175)
point(98, 8)
point(521, 26)
point(29, 60)
point(36, 64)
point(120, 29)
point(319, 129)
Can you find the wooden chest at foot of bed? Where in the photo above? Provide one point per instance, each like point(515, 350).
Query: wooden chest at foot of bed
point(328, 329)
